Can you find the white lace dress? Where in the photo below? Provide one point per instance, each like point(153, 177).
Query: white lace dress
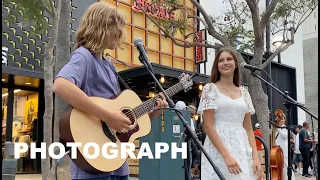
point(228, 122)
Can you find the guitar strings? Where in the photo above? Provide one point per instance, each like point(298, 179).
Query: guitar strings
point(131, 116)
point(153, 100)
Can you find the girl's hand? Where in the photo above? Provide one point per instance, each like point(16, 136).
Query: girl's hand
point(232, 165)
point(257, 169)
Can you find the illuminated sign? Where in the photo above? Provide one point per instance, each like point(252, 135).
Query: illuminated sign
point(4, 55)
point(200, 51)
point(152, 9)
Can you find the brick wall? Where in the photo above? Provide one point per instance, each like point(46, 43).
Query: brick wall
point(310, 56)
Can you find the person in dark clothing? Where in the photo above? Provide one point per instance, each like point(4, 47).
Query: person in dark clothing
point(312, 148)
point(304, 147)
point(34, 129)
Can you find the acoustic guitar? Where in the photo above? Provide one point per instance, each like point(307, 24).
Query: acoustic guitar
point(78, 126)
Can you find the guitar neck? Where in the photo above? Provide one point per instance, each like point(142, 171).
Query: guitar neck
point(149, 104)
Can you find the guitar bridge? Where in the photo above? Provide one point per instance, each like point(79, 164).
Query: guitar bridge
point(108, 132)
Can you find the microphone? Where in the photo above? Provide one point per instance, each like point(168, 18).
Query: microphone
point(251, 68)
point(143, 57)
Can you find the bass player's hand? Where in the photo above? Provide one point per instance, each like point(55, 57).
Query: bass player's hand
point(117, 121)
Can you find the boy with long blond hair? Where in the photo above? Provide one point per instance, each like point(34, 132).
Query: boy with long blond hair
point(89, 74)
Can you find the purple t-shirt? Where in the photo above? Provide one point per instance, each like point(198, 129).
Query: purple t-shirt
point(94, 77)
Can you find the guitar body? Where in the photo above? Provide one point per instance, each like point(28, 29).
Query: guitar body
point(80, 127)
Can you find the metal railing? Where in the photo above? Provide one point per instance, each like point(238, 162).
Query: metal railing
point(266, 156)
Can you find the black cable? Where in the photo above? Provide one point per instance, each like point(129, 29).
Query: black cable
point(270, 78)
point(272, 82)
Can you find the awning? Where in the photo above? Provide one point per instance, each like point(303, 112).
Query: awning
point(140, 81)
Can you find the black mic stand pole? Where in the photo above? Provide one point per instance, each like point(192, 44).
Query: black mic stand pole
point(184, 122)
point(289, 102)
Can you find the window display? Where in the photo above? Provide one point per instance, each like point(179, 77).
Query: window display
point(4, 116)
point(24, 126)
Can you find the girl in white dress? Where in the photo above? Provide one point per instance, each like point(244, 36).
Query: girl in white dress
point(226, 108)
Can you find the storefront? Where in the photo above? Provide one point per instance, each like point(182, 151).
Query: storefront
point(22, 89)
point(22, 111)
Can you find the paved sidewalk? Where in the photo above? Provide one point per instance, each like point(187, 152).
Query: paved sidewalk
point(38, 177)
point(299, 177)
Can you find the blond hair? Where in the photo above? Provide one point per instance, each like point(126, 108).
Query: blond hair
point(99, 22)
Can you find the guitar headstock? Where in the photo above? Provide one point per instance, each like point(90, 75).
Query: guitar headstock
point(186, 81)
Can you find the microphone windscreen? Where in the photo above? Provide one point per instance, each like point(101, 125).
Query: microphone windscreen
point(243, 64)
point(137, 41)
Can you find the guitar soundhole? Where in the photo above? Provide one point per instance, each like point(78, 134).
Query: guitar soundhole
point(124, 137)
point(129, 113)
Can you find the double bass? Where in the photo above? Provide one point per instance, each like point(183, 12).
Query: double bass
point(276, 153)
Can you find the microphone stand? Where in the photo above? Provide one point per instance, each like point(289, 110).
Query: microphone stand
point(288, 104)
point(184, 122)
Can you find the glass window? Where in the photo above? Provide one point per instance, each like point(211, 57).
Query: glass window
point(4, 115)
point(24, 127)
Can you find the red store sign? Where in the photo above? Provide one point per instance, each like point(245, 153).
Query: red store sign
point(200, 51)
point(153, 9)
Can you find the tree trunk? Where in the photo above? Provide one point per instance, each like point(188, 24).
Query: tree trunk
point(48, 113)
point(63, 55)
point(260, 103)
point(47, 164)
point(259, 98)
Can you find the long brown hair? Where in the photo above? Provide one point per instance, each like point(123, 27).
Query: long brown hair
point(100, 20)
point(215, 74)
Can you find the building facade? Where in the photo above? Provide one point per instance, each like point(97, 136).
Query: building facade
point(310, 57)
point(22, 87)
point(22, 68)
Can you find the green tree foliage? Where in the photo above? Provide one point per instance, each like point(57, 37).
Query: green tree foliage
point(291, 13)
point(233, 23)
point(31, 13)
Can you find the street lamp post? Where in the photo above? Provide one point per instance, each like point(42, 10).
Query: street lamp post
point(277, 42)
point(279, 57)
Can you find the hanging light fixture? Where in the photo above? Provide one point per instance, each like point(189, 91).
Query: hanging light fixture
point(151, 94)
point(200, 87)
point(162, 79)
